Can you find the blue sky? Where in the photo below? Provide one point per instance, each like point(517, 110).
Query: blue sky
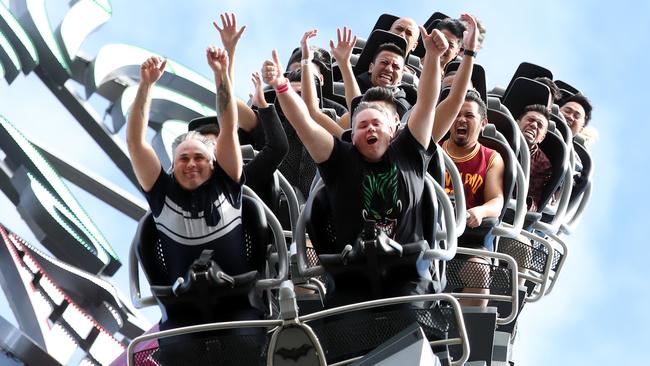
point(596, 311)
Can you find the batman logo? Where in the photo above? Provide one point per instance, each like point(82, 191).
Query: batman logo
point(294, 353)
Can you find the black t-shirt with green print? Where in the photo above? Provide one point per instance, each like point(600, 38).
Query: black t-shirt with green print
point(388, 192)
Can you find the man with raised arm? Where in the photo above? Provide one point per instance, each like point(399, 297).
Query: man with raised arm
point(198, 205)
point(448, 109)
point(481, 168)
point(481, 172)
point(230, 34)
point(374, 178)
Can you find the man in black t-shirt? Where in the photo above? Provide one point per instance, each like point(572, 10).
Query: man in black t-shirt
point(373, 178)
point(198, 206)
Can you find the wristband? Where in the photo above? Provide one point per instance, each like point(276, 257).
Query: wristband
point(282, 88)
point(469, 53)
point(305, 62)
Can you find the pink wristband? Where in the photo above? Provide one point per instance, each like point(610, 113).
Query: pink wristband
point(282, 88)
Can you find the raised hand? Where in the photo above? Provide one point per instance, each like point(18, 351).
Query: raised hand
point(344, 46)
point(435, 43)
point(257, 97)
point(470, 36)
point(152, 69)
point(217, 60)
point(228, 31)
point(307, 52)
point(272, 71)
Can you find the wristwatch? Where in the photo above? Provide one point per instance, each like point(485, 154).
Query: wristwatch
point(469, 53)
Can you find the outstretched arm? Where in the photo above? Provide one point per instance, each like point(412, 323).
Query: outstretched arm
point(493, 193)
point(276, 145)
point(143, 157)
point(228, 151)
point(308, 87)
point(342, 52)
point(230, 38)
point(421, 121)
point(447, 110)
point(318, 142)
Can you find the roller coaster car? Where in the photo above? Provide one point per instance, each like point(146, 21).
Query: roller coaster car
point(362, 332)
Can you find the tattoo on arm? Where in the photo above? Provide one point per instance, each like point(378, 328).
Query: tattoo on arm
point(223, 99)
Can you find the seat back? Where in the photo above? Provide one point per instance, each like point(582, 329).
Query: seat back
point(319, 222)
point(478, 78)
point(530, 71)
point(560, 124)
point(436, 167)
point(507, 126)
point(523, 92)
point(555, 149)
point(149, 252)
point(272, 192)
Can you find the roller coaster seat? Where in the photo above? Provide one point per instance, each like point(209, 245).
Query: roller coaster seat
point(505, 124)
point(205, 294)
point(560, 124)
point(271, 194)
point(524, 92)
point(374, 266)
point(555, 149)
point(436, 167)
point(530, 71)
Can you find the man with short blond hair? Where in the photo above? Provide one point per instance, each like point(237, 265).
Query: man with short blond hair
point(383, 179)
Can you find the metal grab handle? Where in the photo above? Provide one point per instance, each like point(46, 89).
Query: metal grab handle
point(281, 247)
point(504, 229)
point(459, 193)
point(300, 238)
point(450, 234)
point(292, 201)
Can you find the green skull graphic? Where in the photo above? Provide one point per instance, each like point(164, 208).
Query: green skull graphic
point(380, 200)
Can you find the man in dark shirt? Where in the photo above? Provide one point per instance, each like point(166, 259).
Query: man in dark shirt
point(205, 188)
point(533, 123)
point(374, 178)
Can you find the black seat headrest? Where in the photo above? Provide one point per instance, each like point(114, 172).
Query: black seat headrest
point(530, 71)
point(524, 92)
point(479, 80)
